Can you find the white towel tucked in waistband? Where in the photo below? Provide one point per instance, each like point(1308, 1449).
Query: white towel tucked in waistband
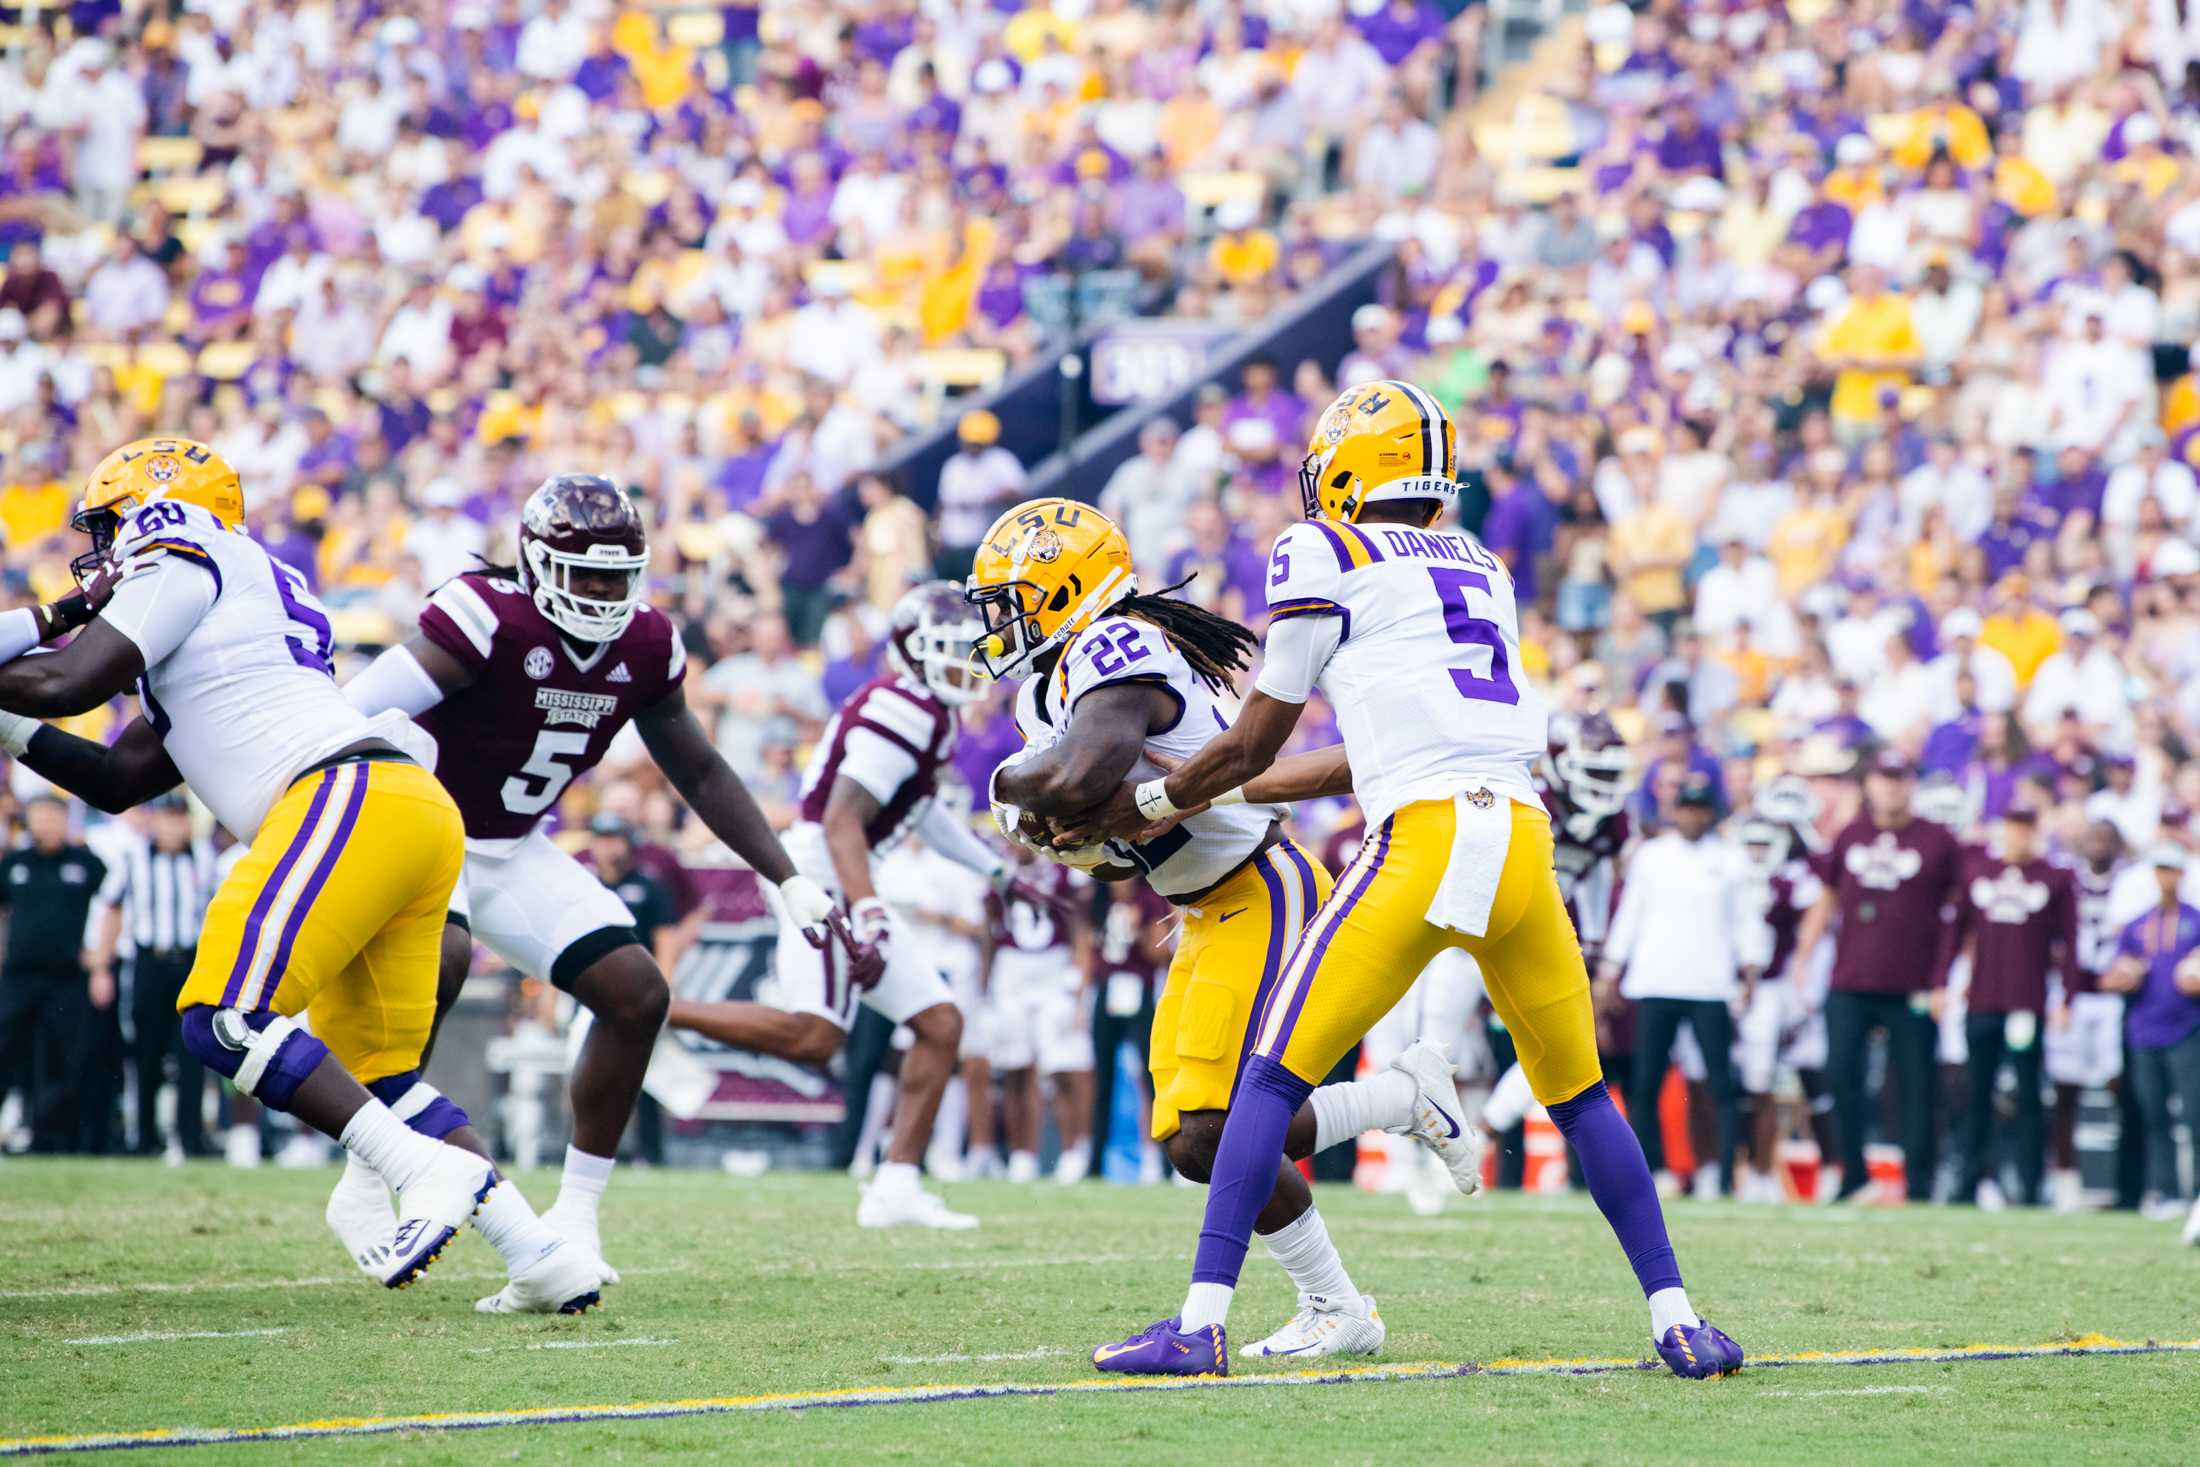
point(1479, 841)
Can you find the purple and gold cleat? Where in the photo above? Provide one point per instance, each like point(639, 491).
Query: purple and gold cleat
point(1163, 1349)
point(1702, 1353)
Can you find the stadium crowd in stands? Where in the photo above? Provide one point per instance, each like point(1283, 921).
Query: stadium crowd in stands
point(1824, 368)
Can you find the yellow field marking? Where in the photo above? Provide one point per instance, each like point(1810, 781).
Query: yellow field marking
point(188, 1436)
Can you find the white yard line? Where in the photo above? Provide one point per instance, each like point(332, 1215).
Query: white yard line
point(637, 1341)
point(1046, 1353)
point(1893, 1390)
point(240, 1286)
point(160, 1336)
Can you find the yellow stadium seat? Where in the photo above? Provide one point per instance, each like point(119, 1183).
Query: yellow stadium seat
point(648, 187)
point(170, 155)
point(963, 368)
point(226, 361)
point(165, 357)
point(112, 355)
point(1210, 189)
point(698, 28)
point(190, 193)
point(1537, 185)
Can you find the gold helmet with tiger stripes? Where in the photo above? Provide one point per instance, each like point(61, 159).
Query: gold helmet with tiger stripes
point(1380, 440)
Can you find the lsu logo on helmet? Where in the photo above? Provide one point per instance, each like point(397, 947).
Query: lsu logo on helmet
point(151, 469)
point(1045, 570)
point(1380, 440)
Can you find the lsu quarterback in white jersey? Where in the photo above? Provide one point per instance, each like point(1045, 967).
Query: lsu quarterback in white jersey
point(1412, 634)
point(1109, 674)
point(353, 847)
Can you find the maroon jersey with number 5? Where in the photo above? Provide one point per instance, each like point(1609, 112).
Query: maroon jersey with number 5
point(539, 713)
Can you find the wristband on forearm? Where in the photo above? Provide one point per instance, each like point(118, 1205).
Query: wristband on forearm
point(1153, 799)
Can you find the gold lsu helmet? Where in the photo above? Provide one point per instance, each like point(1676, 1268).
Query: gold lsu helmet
point(1044, 571)
point(150, 469)
point(1380, 440)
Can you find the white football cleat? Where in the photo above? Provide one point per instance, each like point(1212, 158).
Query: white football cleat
point(563, 1280)
point(909, 1208)
point(2192, 1226)
point(581, 1229)
point(358, 1213)
point(1023, 1166)
point(1324, 1327)
point(433, 1210)
point(1438, 1121)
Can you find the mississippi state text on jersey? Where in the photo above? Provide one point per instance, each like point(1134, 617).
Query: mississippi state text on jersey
point(538, 713)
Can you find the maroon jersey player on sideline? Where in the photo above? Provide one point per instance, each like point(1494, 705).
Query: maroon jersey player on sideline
point(871, 781)
point(2017, 916)
point(524, 677)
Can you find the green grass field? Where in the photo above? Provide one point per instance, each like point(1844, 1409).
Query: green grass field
point(129, 1292)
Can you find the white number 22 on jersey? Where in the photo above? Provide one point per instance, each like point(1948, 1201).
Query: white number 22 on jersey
point(524, 797)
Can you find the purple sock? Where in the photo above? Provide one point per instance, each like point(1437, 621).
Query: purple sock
point(1619, 1179)
point(1244, 1174)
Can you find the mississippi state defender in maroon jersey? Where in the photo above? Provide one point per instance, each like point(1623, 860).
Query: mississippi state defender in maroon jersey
point(524, 677)
point(870, 782)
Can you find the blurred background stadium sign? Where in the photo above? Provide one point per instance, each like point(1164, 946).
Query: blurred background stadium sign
point(1142, 360)
point(1066, 300)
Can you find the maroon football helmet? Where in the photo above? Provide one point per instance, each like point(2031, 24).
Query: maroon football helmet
point(1593, 764)
point(582, 525)
point(929, 640)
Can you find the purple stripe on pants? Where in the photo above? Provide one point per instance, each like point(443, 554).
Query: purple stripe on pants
point(251, 941)
point(1342, 910)
point(1309, 905)
point(316, 881)
point(1271, 964)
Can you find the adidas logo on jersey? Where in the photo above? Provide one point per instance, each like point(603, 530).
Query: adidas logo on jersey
point(619, 674)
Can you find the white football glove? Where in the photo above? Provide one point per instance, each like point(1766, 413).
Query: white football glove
point(808, 907)
point(1082, 858)
point(871, 923)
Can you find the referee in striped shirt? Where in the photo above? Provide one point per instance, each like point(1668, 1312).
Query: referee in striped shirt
point(151, 907)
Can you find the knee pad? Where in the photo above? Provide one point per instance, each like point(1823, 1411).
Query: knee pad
point(264, 1055)
point(419, 1104)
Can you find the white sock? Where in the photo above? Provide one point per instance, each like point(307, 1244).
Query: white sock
point(1669, 1307)
point(362, 1180)
point(377, 1137)
point(580, 1186)
point(1302, 1246)
point(896, 1177)
point(512, 1228)
point(1342, 1112)
point(1206, 1304)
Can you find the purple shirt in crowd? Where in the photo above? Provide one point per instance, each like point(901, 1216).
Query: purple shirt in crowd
point(2158, 1016)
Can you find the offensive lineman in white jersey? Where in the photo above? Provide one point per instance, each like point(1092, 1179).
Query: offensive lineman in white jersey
point(1107, 674)
point(1414, 636)
point(354, 847)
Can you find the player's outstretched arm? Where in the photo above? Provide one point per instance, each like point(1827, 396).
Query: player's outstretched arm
point(1308, 776)
point(710, 787)
point(110, 777)
point(98, 664)
point(1245, 749)
point(849, 811)
point(412, 677)
point(1106, 732)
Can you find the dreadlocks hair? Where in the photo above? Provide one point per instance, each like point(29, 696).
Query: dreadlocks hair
point(1215, 646)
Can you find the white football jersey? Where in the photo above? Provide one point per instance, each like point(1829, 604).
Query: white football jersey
point(237, 680)
point(1424, 674)
point(1198, 851)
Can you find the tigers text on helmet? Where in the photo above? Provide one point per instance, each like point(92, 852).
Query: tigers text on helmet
point(582, 526)
point(1593, 764)
point(929, 639)
point(1380, 440)
point(1043, 573)
point(136, 474)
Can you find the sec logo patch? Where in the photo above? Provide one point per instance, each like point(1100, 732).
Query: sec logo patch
point(538, 663)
